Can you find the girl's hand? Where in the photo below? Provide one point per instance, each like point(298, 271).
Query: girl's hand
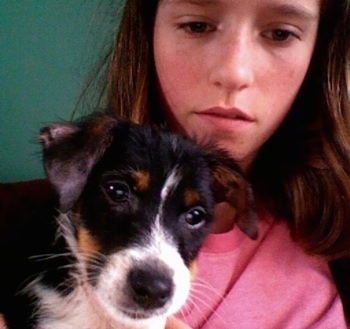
point(2, 322)
point(174, 323)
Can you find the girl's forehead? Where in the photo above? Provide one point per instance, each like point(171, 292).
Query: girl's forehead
point(283, 5)
point(305, 10)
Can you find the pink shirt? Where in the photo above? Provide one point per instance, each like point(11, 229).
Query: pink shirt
point(269, 283)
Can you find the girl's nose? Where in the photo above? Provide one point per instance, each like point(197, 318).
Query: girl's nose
point(233, 62)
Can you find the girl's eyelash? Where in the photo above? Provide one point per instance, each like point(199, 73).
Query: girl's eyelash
point(196, 27)
point(281, 35)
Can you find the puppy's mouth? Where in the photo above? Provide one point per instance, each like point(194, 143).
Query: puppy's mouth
point(128, 308)
point(140, 314)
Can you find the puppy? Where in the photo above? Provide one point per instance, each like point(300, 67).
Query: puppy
point(117, 250)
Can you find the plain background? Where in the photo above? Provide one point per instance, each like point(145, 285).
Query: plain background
point(47, 50)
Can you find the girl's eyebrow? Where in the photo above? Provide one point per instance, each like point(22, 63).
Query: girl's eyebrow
point(292, 10)
point(284, 9)
point(193, 2)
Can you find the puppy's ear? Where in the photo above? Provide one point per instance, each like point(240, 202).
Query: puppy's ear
point(70, 150)
point(230, 186)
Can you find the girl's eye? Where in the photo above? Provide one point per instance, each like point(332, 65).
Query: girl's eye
point(280, 35)
point(196, 27)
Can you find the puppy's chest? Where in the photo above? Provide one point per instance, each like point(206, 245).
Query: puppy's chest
point(75, 310)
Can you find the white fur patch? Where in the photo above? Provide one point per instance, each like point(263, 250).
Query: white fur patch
point(170, 184)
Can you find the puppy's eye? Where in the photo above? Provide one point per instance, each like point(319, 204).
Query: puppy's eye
point(117, 191)
point(195, 217)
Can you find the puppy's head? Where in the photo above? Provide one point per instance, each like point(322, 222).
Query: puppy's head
point(143, 203)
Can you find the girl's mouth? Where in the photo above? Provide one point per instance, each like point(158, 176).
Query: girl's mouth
point(225, 118)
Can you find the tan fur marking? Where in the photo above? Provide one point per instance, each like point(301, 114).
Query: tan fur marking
point(87, 244)
point(142, 180)
point(193, 269)
point(101, 125)
point(228, 186)
point(99, 131)
point(192, 198)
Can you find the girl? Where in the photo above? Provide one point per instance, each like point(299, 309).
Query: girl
point(268, 81)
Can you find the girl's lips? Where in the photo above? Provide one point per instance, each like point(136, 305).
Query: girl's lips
point(229, 113)
point(225, 118)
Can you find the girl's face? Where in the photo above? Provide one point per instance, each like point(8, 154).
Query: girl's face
point(229, 70)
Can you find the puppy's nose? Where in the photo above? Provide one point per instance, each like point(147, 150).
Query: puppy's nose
point(150, 288)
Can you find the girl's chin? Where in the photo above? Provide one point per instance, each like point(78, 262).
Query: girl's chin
point(225, 140)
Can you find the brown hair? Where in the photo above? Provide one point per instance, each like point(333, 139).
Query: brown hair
point(302, 173)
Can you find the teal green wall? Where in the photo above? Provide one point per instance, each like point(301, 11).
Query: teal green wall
point(45, 55)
